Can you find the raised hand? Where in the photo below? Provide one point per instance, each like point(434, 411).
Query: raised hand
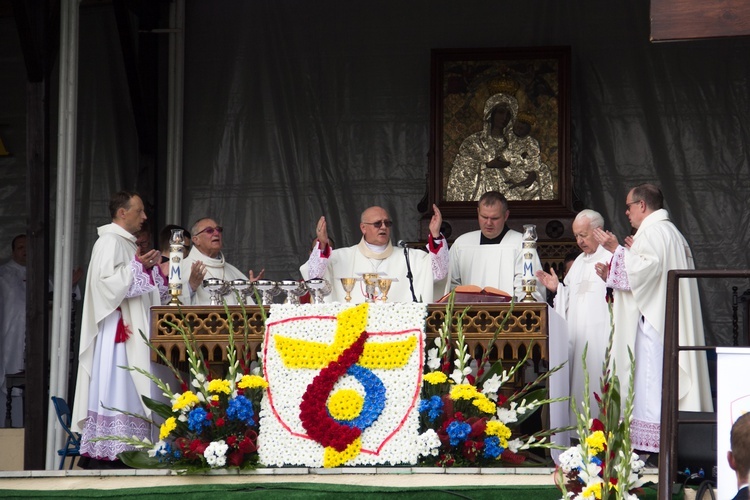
point(550, 281)
point(435, 222)
point(321, 233)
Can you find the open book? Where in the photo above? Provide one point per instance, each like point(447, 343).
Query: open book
point(472, 293)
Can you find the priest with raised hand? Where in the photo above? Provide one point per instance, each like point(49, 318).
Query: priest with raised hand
point(638, 275)
point(581, 300)
point(122, 285)
point(376, 254)
point(491, 256)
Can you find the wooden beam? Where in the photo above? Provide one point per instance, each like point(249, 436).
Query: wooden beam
point(692, 19)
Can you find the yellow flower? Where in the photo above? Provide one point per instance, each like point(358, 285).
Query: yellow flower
point(497, 428)
point(167, 427)
point(484, 404)
point(463, 391)
point(218, 386)
point(593, 490)
point(345, 404)
point(252, 382)
point(436, 378)
point(596, 443)
point(185, 400)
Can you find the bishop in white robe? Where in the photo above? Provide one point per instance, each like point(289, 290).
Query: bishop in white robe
point(638, 274)
point(376, 254)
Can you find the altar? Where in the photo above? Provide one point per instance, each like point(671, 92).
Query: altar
point(208, 328)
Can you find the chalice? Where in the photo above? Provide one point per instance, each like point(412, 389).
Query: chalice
point(348, 284)
point(240, 288)
point(384, 284)
point(294, 290)
point(214, 287)
point(319, 288)
point(268, 290)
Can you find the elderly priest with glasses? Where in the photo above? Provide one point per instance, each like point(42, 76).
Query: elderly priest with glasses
point(375, 254)
point(206, 260)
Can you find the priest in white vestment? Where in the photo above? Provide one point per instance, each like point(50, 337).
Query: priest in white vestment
point(121, 286)
point(638, 274)
point(491, 256)
point(376, 254)
point(206, 260)
point(581, 300)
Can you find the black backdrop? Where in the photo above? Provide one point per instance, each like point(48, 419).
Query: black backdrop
point(298, 108)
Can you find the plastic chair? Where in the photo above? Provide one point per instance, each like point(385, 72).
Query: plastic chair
point(73, 443)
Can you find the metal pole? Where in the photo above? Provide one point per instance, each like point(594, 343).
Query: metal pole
point(62, 281)
point(174, 120)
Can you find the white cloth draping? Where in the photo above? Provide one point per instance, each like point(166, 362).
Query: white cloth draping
point(215, 268)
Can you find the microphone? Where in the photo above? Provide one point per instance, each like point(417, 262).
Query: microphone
point(409, 275)
point(402, 244)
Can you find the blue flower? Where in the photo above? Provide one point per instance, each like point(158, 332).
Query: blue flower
point(595, 460)
point(197, 420)
point(458, 432)
point(375, 397)
point(241, 408)
point(492, 448)
point(433, 407)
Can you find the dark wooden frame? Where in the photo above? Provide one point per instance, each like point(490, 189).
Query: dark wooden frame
point(466, 77)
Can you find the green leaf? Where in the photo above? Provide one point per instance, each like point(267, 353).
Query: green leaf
point(530, 396)
point(161, 409)
point(139, 459)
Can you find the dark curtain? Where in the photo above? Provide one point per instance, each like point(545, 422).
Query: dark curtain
point(296, 109)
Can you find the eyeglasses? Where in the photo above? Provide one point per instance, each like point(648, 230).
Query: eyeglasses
point(380, 223)
point(210, 230)
point(632, 203)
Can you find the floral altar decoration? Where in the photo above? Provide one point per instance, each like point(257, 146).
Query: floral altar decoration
point(212, 423)
point(343, 384)
point(465, 420)
point(603, 466)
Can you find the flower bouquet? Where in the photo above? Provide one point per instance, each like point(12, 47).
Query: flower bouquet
point(465, 420)
point(603, 465)
point(212, 423)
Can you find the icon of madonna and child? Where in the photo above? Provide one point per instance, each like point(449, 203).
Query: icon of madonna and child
point(502, 157)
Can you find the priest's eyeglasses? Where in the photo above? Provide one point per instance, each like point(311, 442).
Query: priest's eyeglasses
point(632, 203)
point(210, 230)
point(378, 224)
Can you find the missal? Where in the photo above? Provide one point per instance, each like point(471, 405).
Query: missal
point(468, 294)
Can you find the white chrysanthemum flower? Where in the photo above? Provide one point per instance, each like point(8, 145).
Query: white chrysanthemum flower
point(216, 454)
point(428, 443)
point(156, 449)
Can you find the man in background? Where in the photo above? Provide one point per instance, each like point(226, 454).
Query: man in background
point(739, 455)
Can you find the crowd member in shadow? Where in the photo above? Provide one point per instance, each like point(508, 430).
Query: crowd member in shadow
point(739, 455)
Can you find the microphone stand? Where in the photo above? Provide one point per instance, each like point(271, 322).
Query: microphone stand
point(409, 275)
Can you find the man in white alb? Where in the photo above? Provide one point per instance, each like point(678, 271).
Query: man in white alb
point(638, 275)
point(121, 286)
point(206, 260)
point(375, 254)
point(581, 300)
point(491, 256)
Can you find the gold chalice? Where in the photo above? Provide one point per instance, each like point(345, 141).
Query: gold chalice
point(384, 284)
point(348, 284)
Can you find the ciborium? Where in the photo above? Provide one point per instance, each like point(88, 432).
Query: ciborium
point(268, 290)
point(371, 283)
point(319, 288)
point(294, 290)
point(215, 287)
point(348, 284)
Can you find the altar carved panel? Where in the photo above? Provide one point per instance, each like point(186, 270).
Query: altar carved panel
point(208, 328)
